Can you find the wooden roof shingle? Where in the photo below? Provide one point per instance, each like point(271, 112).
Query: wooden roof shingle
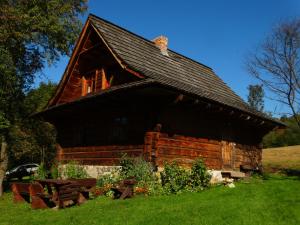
point(173, 70)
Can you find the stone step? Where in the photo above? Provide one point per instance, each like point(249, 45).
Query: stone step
point(233, 174)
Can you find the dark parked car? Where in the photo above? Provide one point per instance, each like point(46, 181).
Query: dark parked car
point(22, 171)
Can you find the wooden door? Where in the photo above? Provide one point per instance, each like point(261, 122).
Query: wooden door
point(227, 151)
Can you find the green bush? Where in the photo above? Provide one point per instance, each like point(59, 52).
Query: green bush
point(73, 170)
point(199, 176)
point(41, 173)
point(174, 179)
point(143, 172)
point(54, 171)
point(108, 179)
point(138, 168)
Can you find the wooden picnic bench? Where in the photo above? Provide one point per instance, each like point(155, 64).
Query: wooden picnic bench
point(39, 199)
point(63, 192)
point(72, 191)
point(53, 192)
point(87, 185)
point(124, 189)
point(20, 192)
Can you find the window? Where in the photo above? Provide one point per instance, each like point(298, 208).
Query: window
point(119, 130)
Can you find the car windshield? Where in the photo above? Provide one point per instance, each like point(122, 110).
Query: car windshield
point(15, 169)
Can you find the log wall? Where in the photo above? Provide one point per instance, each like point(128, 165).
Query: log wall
point(98, 155)
point(160, 148)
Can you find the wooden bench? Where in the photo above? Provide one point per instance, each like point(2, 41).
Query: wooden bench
point(86, 185)
point(39, 199)
point(250, 169)
point(68, 194)
point(124, 189)
point(20, 192)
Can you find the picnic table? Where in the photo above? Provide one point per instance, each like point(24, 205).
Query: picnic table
point(124, 189)
point(55, 192)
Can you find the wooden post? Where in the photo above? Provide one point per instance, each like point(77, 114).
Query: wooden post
point(96, 79)
point(150, 147)
point(104, 80)
point(83, 85)
point(59, 152)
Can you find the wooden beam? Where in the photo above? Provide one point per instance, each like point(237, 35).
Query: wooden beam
point(89, 49)
point(179, 98)
point(83, 90)
point(134, 72)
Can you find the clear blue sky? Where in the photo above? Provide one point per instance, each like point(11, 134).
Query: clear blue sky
point(218, 34)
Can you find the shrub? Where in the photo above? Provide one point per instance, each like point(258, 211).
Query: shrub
point(199, 176)
point(73, 170)
point(54, 171)
point(143, 173)
point(107, 180)
point(174, 179)
point(41, 172)
point(138, 168)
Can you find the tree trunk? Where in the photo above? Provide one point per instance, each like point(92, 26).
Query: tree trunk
point(3, 162)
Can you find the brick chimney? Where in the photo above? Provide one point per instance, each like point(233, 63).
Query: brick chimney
point(162, 43)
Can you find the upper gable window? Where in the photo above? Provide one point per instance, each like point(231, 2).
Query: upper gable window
point(95, 81)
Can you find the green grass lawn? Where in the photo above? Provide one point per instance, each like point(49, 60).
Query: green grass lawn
point(272, 201)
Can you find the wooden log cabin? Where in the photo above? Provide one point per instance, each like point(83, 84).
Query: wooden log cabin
point(122, 93)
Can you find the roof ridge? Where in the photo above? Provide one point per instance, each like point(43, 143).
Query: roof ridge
point(147, 40)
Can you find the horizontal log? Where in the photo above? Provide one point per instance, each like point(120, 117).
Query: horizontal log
point(71, 196)
point(216, 159)
point(103, 148)
point(187, 152)
point(189, 139)
point(185, 163)
point(68, 190)
point(192, 148)
point(95, 161)
point(95, 152)
point(106, 154)
point(186, 144)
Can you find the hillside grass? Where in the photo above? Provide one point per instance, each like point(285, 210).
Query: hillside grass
point(282, 158)
point(272, 201)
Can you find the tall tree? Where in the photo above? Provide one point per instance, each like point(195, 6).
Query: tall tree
point(277, 65)
point(33, 32)
point(256, 97)
point(30, 138)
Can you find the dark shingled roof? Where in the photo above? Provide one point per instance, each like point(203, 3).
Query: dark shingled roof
point(174, 70)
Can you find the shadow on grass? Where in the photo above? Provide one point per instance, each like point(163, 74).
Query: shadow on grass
point(292, 172)
point(281, 176)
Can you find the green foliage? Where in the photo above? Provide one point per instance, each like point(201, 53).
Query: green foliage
point(256, 97)
point(41, 172)
point(144, 174)
point(286, 137)
point(33, 33)
point(174, 179)
point(37, 99)
point(55, 171)
point(4, 122)
point(73, 170)
point(199, 176)
point(108, 179)
point(30, 139)
point(138, 168)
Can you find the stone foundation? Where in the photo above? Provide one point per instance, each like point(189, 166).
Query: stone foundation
point(96, 171)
